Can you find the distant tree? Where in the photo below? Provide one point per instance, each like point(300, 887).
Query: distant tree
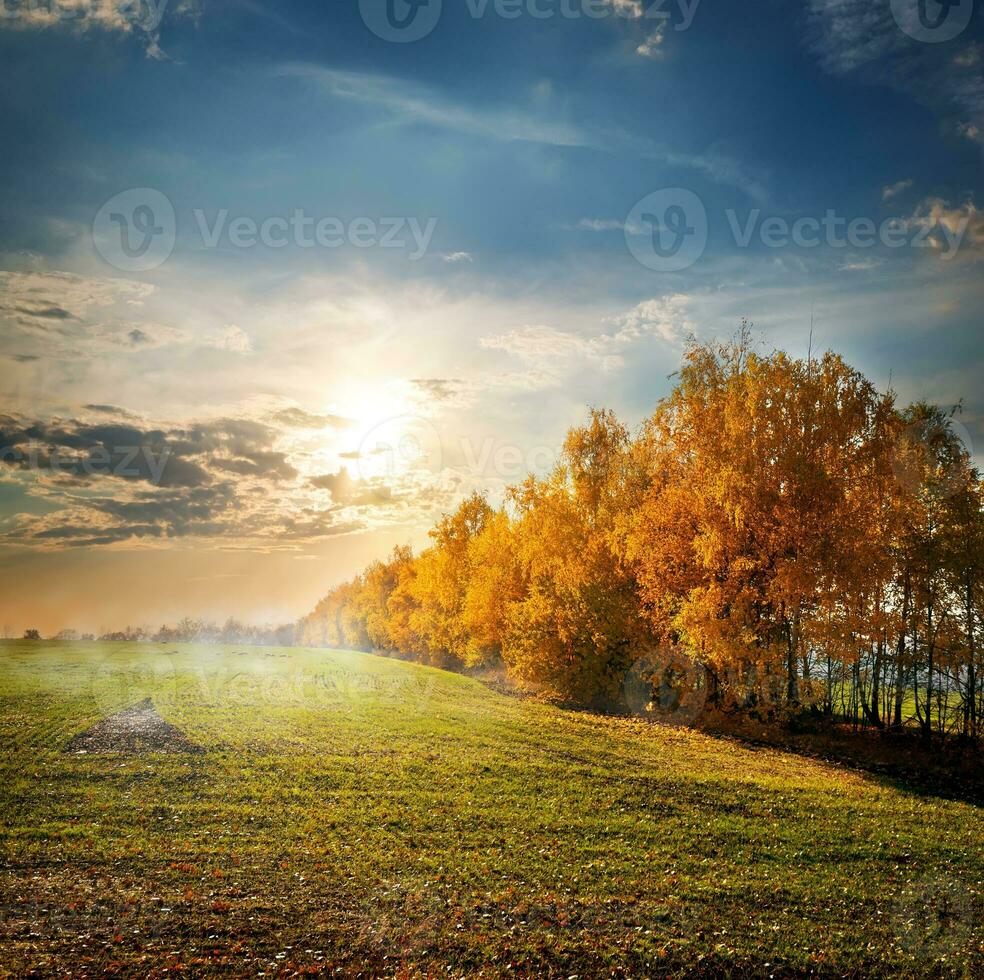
point(67, 635)
point(32, 635)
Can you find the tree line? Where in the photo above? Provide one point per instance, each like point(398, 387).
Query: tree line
point(781, 526)
point(186, 630)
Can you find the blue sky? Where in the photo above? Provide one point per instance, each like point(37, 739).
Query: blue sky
point(507, 156)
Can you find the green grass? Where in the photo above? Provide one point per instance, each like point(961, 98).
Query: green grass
point(360, 814)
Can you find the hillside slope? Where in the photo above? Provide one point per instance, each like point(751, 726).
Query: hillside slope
point(355, 813)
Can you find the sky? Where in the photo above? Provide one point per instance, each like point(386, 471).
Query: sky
point(279, 283)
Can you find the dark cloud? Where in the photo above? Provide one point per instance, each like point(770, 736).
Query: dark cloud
point(320, 525)
point(111, 477)
point(346, 491)
point(106, 409)
point(297, 418)
point(44, 312)
point(440, 389)
point(269, 465)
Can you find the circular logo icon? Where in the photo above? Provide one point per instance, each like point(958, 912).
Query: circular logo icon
point(400, 21)
point(933, 21)
point(934, 918)
point(135, 231)
point(930, 452)
point(121, 679)
point(665, 685)
point(400, 446)
point(667, 230)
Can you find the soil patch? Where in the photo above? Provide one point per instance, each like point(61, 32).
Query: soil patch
point(133, 731)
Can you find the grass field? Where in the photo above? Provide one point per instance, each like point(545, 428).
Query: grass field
point(352, 813)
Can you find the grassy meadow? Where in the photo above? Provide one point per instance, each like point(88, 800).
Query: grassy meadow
point(357, 815)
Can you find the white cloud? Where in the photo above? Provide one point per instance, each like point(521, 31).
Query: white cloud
point(535, 343)
point(847, 34)
point(410, 102)
point(34, 299)
point(231, 338)
point(665, 318)
point(599, 224)
point(964, 225)
point(859, 37)
point(893, 190)
point(652, 46)
point(859, 265)
point(457, 257)
point(554, 352)
point(971, 131)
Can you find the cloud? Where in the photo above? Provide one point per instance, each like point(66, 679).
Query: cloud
point(440, 389)
point(73, 317)
point(540, 343)
point(232, 338)
point(347, 491)
point(652, 46)
point(859, 265)
point(457, 257)
point(862, 39)
point(848, 34)
point(665, 319)
point(27, 297)
point(599, 224)
point(113, 478)
point(407, 102)
point(411, 103)
point(553, 352)
point(109, 410)
point(80, 16)
point(124, 18)
point(963, 224)
point(893, 190)
point(298, 418)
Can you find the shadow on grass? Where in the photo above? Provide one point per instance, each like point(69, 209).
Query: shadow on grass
point(949, 769)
